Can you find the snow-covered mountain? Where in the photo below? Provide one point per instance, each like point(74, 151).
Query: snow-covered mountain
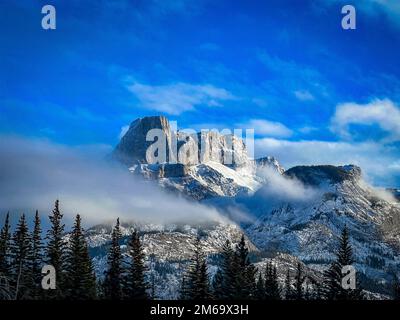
point(296, 214)
point(168, 249)
point(310, 229)
point(200, 165)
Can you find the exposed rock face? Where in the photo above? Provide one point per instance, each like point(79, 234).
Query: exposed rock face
point(133, 145)
point(269, 162)
point(201, 165)
point(315, 175)
point(227, 149)
point(180, 147)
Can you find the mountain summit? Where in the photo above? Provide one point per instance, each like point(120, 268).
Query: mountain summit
point(200, 164)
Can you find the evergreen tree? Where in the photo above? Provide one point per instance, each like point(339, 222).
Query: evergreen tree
point(316, 293)
point(113, 277)
point(5, 245)
point(289, 294)
point(396, 288)
point(22, 268)
point(217, 285)
point(135, 284)
point(272, 289)
point(183, 290)
point(37, 257)
point(333, 289)
point(228, 272)
point(244, 284)
point(197, 284)
point(152, 286)
point(299, 281)
point(260, 288)
point(80, 279)
point(55, 251)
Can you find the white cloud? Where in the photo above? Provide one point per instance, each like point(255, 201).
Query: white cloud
point(35, 172)
point(307, 129)
point(280, 187)
point(304, 95)
point(383, 113)
point(378, 162)
point(179, 97)
point(267, 128)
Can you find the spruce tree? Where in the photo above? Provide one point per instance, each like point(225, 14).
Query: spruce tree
point(5, 245)
point(135, 284)
point(217, 285)
point(289, 294)
point(152, 286)
point(55, 251)
point(37, 257)
point(183, 290)
point(333, 289)
point(396, 288)
point(80, 279)
point(272, 289)
point(21, 263)
point(299, 281)
point(260, 288)
point(317, 286)
point(244, 284)
point(228, 272)
point(113, 277)
point(197, 285)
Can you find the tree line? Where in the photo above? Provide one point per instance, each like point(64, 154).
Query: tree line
point(237, 278)
point(24, 252)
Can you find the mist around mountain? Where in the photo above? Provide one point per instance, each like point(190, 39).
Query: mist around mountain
point(288, 217)
point(300, 211)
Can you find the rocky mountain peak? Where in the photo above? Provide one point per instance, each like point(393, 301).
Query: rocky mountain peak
point(316, 175)
point(133, 145)
point(201, 165)
point(269, 162)
point(181, 147)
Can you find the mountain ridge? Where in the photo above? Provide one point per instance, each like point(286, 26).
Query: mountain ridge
point(299, 212)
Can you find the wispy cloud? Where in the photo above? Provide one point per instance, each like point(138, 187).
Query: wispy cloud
point(280, 187)
point(179, 97)
point(377, 161)
point(36, 172)
point(384, 113)
point(303, 95)
point(264, 127)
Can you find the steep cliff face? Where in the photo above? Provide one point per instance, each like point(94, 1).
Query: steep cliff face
point(133, 145)
point(201, 165)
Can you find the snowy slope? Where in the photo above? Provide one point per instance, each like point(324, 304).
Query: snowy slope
point(168, 249)
point(310, 230)
point(299, 212)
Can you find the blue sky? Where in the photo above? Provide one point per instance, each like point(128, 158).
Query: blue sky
point(314, 93)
